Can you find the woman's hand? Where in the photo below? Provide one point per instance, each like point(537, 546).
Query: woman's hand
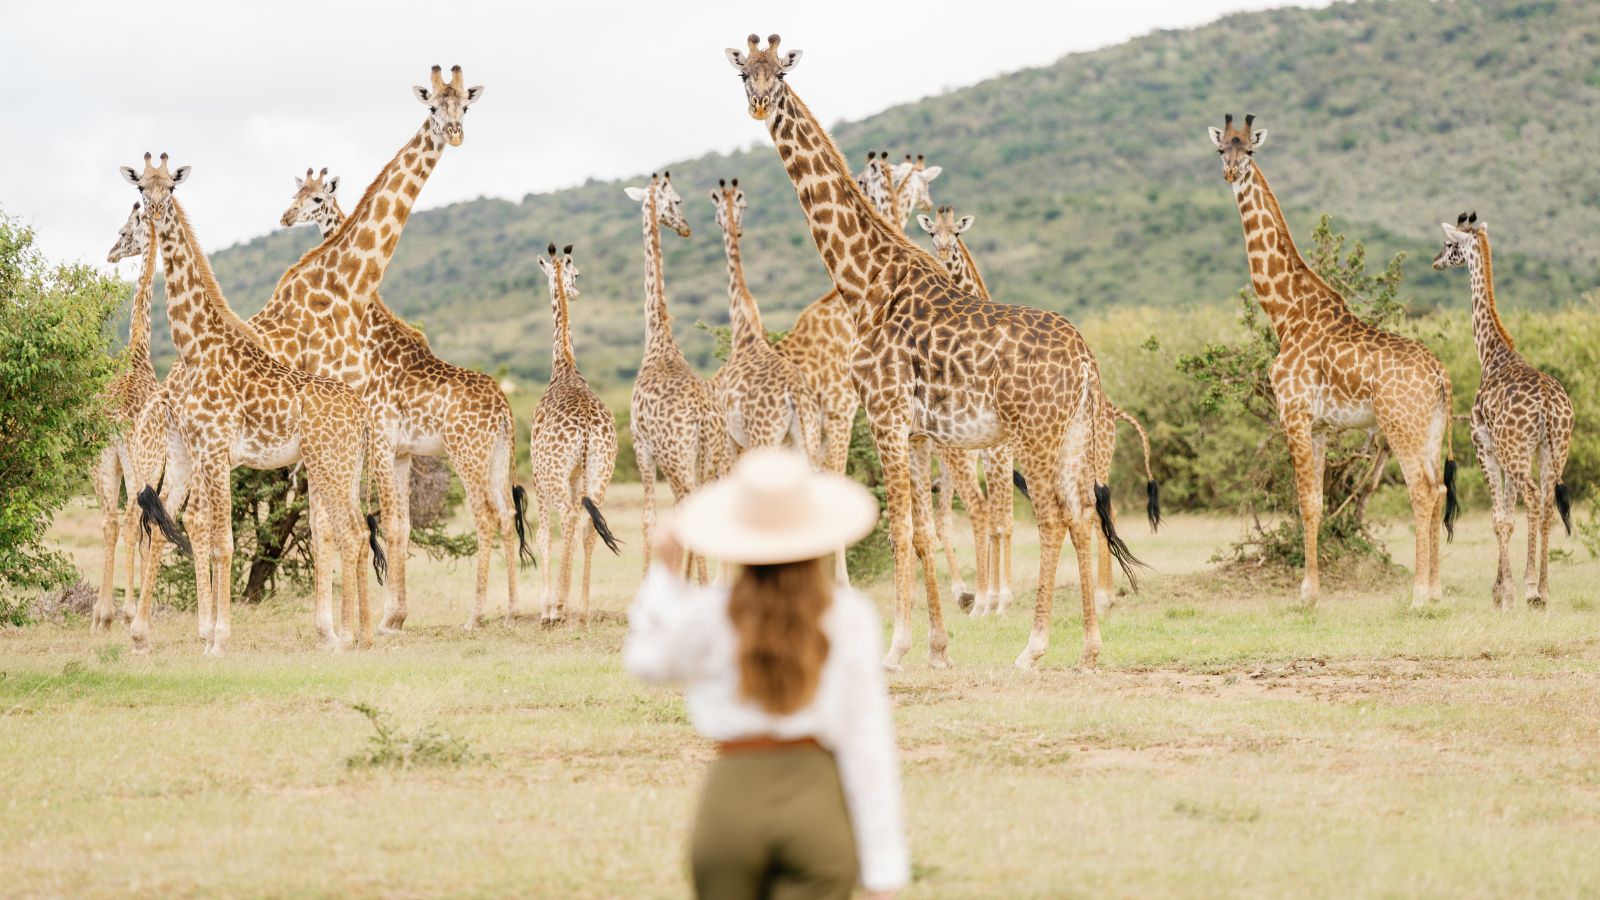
point(664, 544)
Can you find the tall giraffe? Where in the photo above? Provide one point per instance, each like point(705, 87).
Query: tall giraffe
point(935, 364)
point(909, 184)
point(572, 446)
point(673, 416)
point(128, 393)
point(240, 406)
point(441, 409)
point(1335, 372)
point(1521, 417)
point(946, 231)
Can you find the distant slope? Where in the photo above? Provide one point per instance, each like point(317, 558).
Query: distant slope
point(1092, 179)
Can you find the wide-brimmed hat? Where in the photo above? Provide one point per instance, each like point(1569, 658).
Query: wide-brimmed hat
point(774, 509)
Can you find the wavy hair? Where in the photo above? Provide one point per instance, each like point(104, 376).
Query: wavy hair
point(777, 613)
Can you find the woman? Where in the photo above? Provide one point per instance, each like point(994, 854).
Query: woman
point(782, 670)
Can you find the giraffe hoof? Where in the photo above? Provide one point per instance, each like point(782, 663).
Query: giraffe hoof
point(1536, 602)
point(891, 665)
point(965, 600)
point(1025, 661)
point(939, 659)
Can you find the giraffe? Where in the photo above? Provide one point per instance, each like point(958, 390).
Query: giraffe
point(951, 249)
point(673, 415)
point(432, 408)
point(1520, 416)
point(240, 406)
point(935, 364)
point(572, 446)
point(1335, 372)
point(128, 394)
point(910, 180)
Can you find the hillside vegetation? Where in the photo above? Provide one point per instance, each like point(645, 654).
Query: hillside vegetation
point(1092, 179)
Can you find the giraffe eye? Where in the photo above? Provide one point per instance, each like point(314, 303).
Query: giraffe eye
point(317, 200)
point(432, 109)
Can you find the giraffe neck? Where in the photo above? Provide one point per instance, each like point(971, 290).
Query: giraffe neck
point(139, 321)
point(900, 195)
point(563, 362)
point(373, 227)
point(964, 271)
point(657, 321)
point(327, 223)
point(1488, 332)
point(743, 314)
point(199, 316)
point(853, 237)
point(1275, 262)
point(328, 218)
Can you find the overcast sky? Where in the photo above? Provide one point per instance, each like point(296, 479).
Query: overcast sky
point(251, 94)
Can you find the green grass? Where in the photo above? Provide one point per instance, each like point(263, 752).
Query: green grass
point(1232, 743)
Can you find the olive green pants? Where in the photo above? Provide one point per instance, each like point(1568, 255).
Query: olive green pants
point(773, 824)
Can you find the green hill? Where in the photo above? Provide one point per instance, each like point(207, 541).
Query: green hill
point(1092, 179)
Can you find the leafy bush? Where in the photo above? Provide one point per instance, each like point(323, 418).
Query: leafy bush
point(54, 368)
point(390, 747)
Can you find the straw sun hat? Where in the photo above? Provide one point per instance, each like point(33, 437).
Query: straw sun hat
point(774, 509)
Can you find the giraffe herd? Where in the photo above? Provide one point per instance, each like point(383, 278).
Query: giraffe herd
point(327, 377)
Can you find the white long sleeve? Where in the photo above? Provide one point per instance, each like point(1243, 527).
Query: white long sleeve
point(682, 634)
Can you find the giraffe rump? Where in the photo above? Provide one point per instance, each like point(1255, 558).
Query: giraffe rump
point(1108, 530)
point(1564, 505)
point(154, 513)
point(601, 528)
point(519, 499)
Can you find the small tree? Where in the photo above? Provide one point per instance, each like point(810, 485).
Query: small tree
point(54, 367)
point(1234, 379)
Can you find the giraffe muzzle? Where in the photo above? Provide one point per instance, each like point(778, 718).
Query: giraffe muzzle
point(758, 110)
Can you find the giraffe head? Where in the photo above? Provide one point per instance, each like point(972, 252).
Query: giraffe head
point(946, 230)
point(730, 205)
point(562, 272)
point(313, 199)
point(1237, 146)
point(762, 72)
point(872, 180)
point(914, 176)
point(669, 206)
point(1459, 241)
point(155, 185)
point(447, 103)
point(133, 238)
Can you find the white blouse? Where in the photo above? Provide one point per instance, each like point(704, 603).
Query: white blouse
point(682, 634)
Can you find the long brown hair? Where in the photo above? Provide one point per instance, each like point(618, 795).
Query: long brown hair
point(777, 613)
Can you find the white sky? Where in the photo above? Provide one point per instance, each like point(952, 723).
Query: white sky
point(250, 94)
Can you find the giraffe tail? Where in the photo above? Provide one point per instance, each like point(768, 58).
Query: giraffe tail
point(1108, 530)
point(375, 447)
point(600, 526)
point(1452, 502)
point(519, 500)
point(380, 561)
point(1152, 488)
point(154, 513)
point(1564, 505)
point(1021, 485)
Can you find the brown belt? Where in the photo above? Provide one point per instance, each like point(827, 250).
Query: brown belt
point(757, 744)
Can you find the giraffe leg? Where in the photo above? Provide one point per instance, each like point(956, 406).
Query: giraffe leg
point(1549, 475)
point(895, 457)
point(322, 572)
point(1504, 499)
point(836, 455)
point(1006, 524)
point(1308, 451)
point(221, 558)
point(943, 522)
point(179, 472)
point(1534, 499)
point(1052, 531)
point(547, 600)
point(1103, 593)
point(483, 520)
point(961, 474)
point(922, 543)
point(1422, 484)
point(498, 491)
point(107, 484)
point(201, 533)
point(570, 537)
point(647, 479)
point(397, 529)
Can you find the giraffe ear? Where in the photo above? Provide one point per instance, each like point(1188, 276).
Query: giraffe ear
point(299, 182)
point(716, 197)
point(931, 172)
point(925, 222)
point(332, 184)
point(1216, 136)
point(1257, 138)
point(473, 93)
point(636, 194)
point(180, 176)
point(129, 175)
point(735, 58)
point(790, 60)
point(963, 223)
point(423, 94)
point(544, 266)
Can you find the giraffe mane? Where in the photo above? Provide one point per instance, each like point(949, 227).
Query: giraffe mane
point(202, 265)
point(1484, 252)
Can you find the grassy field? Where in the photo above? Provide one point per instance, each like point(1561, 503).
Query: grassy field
point(1233, 743)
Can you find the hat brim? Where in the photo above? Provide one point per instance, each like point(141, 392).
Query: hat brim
point(840, 512)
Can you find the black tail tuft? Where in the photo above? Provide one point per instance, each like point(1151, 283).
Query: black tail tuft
point(1152, 503)
point(154, 513)
point(1022, 485)
point(519, 499)
point(1452, 503)
point(380, 562)
point(1564, 505)
point(601, 528)
point(1119, 550)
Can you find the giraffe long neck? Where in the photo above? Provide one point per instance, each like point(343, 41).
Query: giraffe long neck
point(1488, 332)
point(964, 271)
point(563, 362)
point(902, 198)
point(373, 227)
point(328, 218)
point(139, 321)
point(853, 238)
point(199, 315)
point(744, 316)
point(1275, 262)
point(657, 321)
